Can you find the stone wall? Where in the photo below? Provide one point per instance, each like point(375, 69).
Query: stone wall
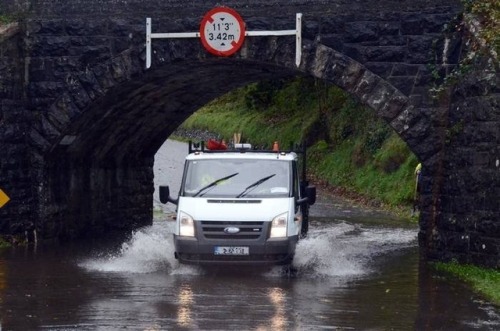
point(468, 227)
point(83, 76)
point(94, 199)
point(15, 158)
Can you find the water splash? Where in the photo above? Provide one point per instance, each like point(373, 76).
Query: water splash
point(331, 250)
point(346, 250)
point(149, 250)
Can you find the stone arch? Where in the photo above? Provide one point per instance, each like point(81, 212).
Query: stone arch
point(123, 79)
point(101, 134)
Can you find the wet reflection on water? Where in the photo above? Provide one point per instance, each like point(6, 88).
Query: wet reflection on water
point(349, 276)
point(277, 298)
point(184, 310)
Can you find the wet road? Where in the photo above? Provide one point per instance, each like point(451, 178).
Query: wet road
point(357, 270)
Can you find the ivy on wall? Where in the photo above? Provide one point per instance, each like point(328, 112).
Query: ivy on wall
point(487, 15)
point(480, 26)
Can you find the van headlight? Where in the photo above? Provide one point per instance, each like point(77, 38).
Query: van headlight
point(279, 226)
point(186, 225)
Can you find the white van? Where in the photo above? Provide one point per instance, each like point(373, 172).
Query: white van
point(240, 207)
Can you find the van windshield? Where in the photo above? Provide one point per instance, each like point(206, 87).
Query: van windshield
point(237, 178)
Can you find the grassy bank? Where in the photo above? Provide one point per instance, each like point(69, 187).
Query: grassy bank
point(348, 146)
point(485, 281)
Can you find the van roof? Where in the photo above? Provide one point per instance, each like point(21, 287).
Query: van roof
point(286, 156)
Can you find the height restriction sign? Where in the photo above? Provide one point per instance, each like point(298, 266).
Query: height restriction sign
point(222, 31)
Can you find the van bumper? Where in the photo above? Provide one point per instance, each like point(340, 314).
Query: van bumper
point(276, 251)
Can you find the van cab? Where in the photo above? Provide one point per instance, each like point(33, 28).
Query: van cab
point(240, 207)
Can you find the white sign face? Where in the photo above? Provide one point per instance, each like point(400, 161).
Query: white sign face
point(222, 31)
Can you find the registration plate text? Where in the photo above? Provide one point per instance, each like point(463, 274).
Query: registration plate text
point(231, 250)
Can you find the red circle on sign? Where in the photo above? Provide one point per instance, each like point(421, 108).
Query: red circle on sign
point(222, 31)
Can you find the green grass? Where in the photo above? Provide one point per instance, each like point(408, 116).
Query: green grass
point(484, 281)
point(392, 186)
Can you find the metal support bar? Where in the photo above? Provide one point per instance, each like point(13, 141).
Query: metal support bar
point(297, 32)
point(270, 33)
point(298, 39)
point(148, 42)
point(175, 35)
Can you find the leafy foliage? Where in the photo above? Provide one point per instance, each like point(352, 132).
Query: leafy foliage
point(481, 24)
point(488, 12)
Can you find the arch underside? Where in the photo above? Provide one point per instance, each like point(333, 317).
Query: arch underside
point(102, 178)
point(134, 117)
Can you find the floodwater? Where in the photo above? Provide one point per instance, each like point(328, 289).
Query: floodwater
point(357, 270)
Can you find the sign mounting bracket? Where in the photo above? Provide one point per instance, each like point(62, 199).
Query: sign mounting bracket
point(174, 35)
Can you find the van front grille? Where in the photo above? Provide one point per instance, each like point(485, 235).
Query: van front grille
point(221, 230)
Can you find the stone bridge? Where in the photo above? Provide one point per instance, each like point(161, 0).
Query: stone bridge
point(81, 118)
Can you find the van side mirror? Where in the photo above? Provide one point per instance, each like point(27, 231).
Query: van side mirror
point(311, 195)
point(165, 195)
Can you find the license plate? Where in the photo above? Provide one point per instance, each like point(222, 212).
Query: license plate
point(231, 250)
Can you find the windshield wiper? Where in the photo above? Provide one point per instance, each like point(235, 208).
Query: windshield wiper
point(253, 185)
point(212, 184)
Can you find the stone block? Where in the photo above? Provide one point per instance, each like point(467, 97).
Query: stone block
point(436, 23)
point(366, 84)
point(335, 67)
point(404, 69)
point(44, 89)
point(389, 28)
point(450, 222)
point(420, 49)
point(389, 41)
point(402, 83)
point(45, 27)
point(380, 95)
point(50, 46)
point(487, 226)
point(334, 25)
point(356, 32)
point(484, 244)
point(382, 69)
point(38, 141)
point(491, 261)
point(351, 75)
point(82, 27)
point(354, 51)
point(89, 82)
point(334, 41)
point(412, 25)
point(456, 242)
point(384, 53)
